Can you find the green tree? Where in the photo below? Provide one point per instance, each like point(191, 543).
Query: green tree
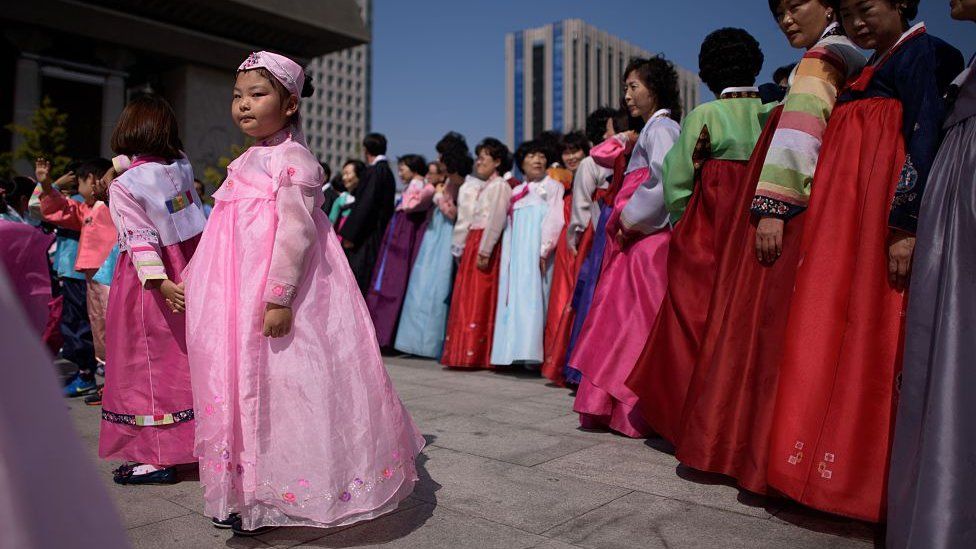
point(46, 137)
point(213, 176)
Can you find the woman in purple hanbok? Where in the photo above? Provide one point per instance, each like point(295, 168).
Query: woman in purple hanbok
point(298, 422)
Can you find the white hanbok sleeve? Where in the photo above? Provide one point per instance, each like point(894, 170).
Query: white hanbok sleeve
point(466, 202)
point(585, 183)
point(497, 196)
point(555, 219)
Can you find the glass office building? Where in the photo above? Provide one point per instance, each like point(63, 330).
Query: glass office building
point(559, 73)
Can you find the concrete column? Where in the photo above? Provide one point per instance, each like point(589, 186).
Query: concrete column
point(27, 97)
point(113, 99)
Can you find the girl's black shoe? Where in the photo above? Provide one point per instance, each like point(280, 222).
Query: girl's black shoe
point(238, 529)
point(227, 522)
point(160, 476)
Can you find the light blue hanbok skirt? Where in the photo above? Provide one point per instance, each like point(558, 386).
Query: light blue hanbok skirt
point(523, 292)
point(423, 320)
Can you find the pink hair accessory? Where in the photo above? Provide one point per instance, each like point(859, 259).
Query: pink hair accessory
point(289, 73)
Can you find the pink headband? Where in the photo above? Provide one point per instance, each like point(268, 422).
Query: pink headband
point(288, 72)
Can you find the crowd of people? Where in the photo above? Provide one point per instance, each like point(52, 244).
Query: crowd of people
point(778, 283)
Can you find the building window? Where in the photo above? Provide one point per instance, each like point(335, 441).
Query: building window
point(538, 88)
point(599, 75)
point(574, 57)
point(586, 76)
point(557, 77)
point(519, 89)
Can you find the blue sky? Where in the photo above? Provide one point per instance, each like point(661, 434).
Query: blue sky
point(439, 65)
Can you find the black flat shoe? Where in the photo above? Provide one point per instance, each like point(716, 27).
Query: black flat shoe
point(238, 529)
point(227, 522)
point(161, 476)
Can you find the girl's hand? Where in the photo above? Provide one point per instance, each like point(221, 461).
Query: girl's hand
point(277, 321)
point(42, 170)
point(174, 296)
point(901, 246)
point(769, 239)
point(483, 262)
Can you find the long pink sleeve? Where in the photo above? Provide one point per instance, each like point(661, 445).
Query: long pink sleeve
point(555, 219)
point(445, 200)
point(418, 197)
point(137, 235)
point(61, 211)
point(606, 153)
point(299, 181)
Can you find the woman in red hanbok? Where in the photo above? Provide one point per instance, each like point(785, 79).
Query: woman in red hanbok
point(838, 378)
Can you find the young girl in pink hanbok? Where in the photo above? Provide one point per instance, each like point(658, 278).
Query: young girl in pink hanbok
point(298, 423)
point(147, 408)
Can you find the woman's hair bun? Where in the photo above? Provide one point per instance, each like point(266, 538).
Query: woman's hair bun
point(307, 88)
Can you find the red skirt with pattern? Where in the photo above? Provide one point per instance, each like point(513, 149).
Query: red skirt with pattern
point(471, 321)
point(832, 424)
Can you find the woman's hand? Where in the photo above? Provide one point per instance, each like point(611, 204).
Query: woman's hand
point(901, 246)
point(769, 239)
point(484, 262)
point(277, 321)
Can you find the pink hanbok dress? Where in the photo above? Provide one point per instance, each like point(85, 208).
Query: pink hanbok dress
point(632, 284)
point(303, 430)
point(147, 407)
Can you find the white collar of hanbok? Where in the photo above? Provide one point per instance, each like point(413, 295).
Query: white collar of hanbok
point(920, 26)
point(660, 113)
point(378, 159)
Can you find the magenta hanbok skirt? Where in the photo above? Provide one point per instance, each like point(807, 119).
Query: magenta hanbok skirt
point(147, 407)
point(303, 430)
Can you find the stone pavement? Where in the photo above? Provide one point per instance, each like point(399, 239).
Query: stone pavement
point(506, 467)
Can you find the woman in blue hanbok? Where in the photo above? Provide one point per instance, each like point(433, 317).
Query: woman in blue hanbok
point(535, 222)
point(423, 320)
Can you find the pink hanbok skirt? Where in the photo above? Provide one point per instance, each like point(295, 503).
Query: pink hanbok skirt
point(303, 430)
point(147, 407)
point(627, 299)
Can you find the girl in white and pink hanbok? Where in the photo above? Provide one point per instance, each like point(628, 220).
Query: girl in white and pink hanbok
point(298, 422)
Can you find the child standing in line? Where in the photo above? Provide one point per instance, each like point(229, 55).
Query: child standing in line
point(298, 423)
point(147, 408)
point(93, 221)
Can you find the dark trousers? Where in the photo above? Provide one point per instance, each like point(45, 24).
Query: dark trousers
point(75, 328)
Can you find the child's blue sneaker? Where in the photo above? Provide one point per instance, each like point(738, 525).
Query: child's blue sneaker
point(80, 386)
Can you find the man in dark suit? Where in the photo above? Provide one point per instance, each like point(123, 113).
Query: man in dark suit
point(363, 230)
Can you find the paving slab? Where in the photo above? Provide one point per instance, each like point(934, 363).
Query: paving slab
point(526, 498)
point(506, 466)
point(427, 526)
point(642, 521)
point(480, 436)
point(190, 531)
point(645, 470)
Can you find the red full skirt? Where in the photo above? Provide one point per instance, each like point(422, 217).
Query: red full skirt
point(560, 313)
point(660, 377)
point(471, 321)
point(728, 406)
point(832, 424)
